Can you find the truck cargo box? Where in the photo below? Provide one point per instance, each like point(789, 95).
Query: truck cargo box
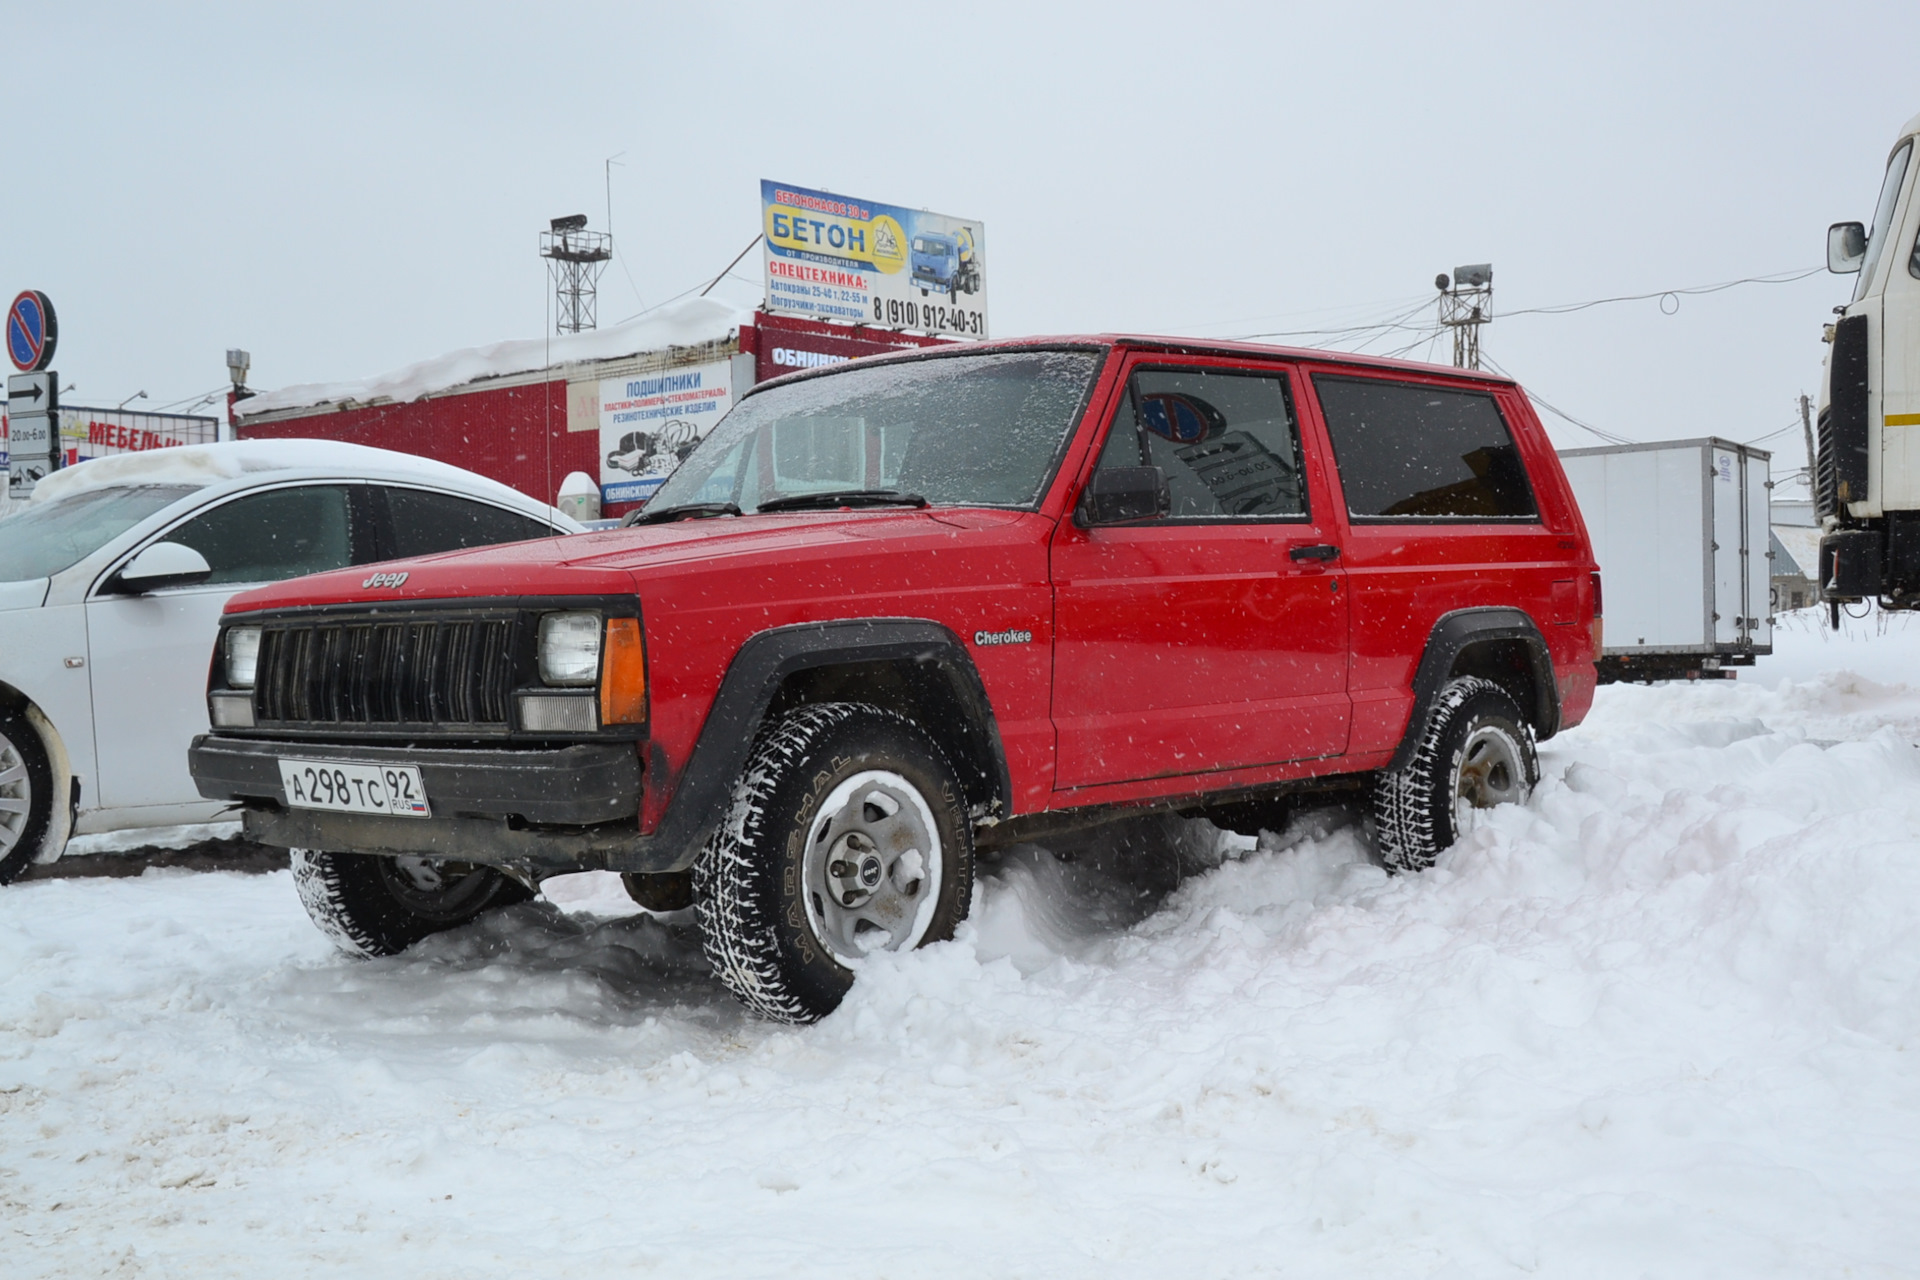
point(1682, 530)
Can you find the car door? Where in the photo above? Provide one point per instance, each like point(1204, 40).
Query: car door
point(1441, 515)
point(1213, 638)
point(148, 654)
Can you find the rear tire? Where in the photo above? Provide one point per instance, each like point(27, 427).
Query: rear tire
point(847, 834)
point(1476, 752)
point(373, 905)
point(26, 794)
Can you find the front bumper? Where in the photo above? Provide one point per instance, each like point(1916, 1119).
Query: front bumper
point(572, 807)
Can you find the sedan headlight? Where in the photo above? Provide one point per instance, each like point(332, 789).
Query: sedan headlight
point(570, 648)
point(243, 656)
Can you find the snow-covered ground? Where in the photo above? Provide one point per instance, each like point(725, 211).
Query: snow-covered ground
point(1664, 1021)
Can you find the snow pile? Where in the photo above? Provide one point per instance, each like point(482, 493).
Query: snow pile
point(686, 323)
point(1658, 1022)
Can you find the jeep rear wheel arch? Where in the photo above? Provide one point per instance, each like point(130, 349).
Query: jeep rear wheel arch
point(1454, 635)
point(764, 666)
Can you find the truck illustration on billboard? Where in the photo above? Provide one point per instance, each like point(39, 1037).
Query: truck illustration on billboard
point(945, 262)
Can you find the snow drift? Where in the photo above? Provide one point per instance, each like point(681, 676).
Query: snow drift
point(1658, 1022)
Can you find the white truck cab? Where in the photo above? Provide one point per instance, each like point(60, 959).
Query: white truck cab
point(1867, 469)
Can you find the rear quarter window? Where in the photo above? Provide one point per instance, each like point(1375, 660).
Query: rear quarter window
point(426, 523)
point(1411, 452)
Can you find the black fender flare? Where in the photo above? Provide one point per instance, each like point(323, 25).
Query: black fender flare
point(755, 676)
point(1451, 635)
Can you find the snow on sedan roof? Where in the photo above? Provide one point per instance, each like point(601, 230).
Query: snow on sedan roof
point(679, 324)
point(204, 464)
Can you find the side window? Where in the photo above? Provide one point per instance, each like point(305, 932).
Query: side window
point(265, 537)
point(425, 522)
point(1422, 453)
point(1228, 442)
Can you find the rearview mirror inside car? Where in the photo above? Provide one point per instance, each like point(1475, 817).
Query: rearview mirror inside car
point(1846, 247)
point(164, 564)
point(1120, 495)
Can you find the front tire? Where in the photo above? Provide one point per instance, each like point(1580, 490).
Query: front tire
point(847, 834)
point(26, 794)
point(373, 905)
point(1476, 752)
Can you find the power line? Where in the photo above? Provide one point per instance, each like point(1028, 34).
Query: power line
point(1778, 277)
point(1608, 436)
point(1791, 426)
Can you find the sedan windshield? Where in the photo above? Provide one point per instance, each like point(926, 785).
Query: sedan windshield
point(977, 430)
point(40, 539)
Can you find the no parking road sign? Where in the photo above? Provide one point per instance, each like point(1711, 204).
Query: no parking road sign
point(32, 331)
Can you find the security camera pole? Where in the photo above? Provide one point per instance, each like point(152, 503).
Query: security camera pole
point(1466, 303)
point(238, 362)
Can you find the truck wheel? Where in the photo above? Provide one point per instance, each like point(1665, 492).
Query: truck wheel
point(26, 795)
point(373, 905)
point(847, 835)
point(1476, 752)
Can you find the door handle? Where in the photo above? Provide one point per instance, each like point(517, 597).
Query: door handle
point(1318, 551)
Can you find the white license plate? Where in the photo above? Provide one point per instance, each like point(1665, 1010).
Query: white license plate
point(339, 787)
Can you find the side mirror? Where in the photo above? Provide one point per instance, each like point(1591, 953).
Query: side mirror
point(164, 564)
point(1846, 247)
point(1121, 495)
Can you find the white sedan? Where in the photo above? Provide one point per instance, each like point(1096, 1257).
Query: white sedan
point(112, 579)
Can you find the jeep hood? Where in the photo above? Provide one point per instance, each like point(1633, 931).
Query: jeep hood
point(622, 561)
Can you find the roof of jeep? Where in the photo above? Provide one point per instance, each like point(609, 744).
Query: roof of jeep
point(1146, 342)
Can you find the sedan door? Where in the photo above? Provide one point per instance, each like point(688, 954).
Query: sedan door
point(149, 653)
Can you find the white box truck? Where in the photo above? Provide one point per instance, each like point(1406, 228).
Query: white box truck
point(1683, 531)
point(1867, 469)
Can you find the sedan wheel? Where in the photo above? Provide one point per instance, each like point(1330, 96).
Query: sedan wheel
point(26, 795)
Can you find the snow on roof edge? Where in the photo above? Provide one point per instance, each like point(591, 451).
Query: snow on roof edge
point(686, 323)
point(200, 465)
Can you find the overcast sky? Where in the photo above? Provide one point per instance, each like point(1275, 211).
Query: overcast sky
point(349, 189)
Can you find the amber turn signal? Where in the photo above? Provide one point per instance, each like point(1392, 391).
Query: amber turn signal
point(623, 679)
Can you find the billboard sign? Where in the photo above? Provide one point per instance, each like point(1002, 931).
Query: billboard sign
point(101, 433)
point(650, 422)
point(832, 257)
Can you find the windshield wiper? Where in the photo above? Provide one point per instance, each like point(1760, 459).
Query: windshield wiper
point(660, 515)
point(844, 498)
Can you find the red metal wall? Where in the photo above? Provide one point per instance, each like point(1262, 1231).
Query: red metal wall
point(516, 435)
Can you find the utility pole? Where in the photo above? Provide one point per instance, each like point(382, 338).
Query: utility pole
point(1466, 303)
point(1806, 425)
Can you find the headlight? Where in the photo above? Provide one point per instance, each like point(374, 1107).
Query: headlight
point(570, 648)
point(243, 656)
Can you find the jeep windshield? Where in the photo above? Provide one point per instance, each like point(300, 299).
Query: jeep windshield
point(970, 430)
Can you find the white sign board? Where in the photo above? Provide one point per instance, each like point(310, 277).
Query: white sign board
point(27, 434)
point(650, 422)
point(831, 257)
point(101, 433)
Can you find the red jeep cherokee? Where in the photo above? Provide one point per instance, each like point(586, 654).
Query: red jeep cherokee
point(895, 610)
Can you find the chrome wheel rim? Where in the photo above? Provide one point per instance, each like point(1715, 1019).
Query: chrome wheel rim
point(871, 872)
point(16, 795)
point(1490, 772)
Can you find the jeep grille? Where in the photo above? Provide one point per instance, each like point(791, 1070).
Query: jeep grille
point(440, 673)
